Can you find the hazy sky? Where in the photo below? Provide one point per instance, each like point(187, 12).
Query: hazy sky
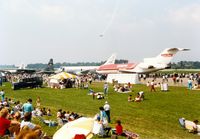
point(33, 31)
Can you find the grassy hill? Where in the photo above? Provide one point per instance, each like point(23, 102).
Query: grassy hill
point(156, 117)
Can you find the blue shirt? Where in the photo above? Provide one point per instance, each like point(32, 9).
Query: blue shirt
point(27, 107)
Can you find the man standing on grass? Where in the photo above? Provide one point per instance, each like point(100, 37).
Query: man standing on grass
point(1, 81)
point(27, 107)
point(107, 110)
point(105, 88)
point(153, 86)
point(2, 93)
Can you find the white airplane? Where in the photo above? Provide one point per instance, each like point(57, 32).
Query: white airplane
point(86, 69)
point(162, 61)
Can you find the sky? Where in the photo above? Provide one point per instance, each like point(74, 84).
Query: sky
point(91, 30)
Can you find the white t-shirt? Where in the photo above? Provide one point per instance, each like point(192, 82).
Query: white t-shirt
point(26, 123)
point(2, 93)
point(106, 107)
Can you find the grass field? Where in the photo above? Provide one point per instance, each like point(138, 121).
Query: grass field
point(155, 117)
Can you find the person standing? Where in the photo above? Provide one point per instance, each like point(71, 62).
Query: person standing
point(27, 107)
point(1, 81)
point(103, 116)
point(104, 121)
point(107, 110)
point(153, 86)
point(190, 84)
point(105, 88)
point(2, 93)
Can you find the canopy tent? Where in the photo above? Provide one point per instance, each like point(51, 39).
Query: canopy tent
point(82, 125)
point(63, 75)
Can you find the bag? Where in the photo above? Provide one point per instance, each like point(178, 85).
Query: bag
point(79, 136)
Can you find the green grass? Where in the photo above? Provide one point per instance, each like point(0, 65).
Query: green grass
point(156, 117)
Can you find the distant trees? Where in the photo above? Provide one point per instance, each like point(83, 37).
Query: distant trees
point(178, 65)
point(57, 65)
point(186, 65)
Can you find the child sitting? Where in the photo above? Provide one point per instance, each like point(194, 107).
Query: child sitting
point(118, 129)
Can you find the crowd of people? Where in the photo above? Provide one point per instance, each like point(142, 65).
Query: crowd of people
point(16, 118)
point(64, 117)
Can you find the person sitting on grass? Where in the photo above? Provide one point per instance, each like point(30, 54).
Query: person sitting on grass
point(5, 123)
point(118, 129)
point(141, 93)
point(49, 112)
point(27, 133)
point(137, 98)
point(14, 130)
point(27, 122)
point(59, 117)
point(130, 98)
point(99, 96)
point(38, 102)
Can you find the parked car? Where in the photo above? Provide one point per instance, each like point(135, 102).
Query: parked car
point(28, 82)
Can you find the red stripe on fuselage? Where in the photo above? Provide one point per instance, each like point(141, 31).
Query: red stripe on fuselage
point(167, 55)
point(117, 66)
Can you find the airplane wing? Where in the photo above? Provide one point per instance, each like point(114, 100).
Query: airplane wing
point(127, 71)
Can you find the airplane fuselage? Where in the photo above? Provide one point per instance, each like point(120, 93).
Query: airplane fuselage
point(115, 68)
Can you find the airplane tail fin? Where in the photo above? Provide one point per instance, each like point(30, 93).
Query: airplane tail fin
point(165, 56)
point(22, 66)
point(50, 66)
point(111, 59)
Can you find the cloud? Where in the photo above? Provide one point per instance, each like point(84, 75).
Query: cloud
point(187, 14)
point(52, 10)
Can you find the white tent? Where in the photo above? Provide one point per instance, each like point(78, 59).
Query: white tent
point(82, 125)
point(123, 78)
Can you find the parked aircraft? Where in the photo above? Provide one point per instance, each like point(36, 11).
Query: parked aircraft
point(23, 69)
point(19, 69)
point(162, 61)
point(86, 69)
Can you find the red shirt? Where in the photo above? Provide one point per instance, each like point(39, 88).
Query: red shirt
point(119, 129)
point(4, 124)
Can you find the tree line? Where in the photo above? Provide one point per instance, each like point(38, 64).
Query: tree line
point(186, 65)
point(57, 65)
point(177, 65)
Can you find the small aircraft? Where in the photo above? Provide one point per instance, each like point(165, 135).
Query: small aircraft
point(86, 69)
point(23, 69)
point(19, 69)
point(162, 61)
